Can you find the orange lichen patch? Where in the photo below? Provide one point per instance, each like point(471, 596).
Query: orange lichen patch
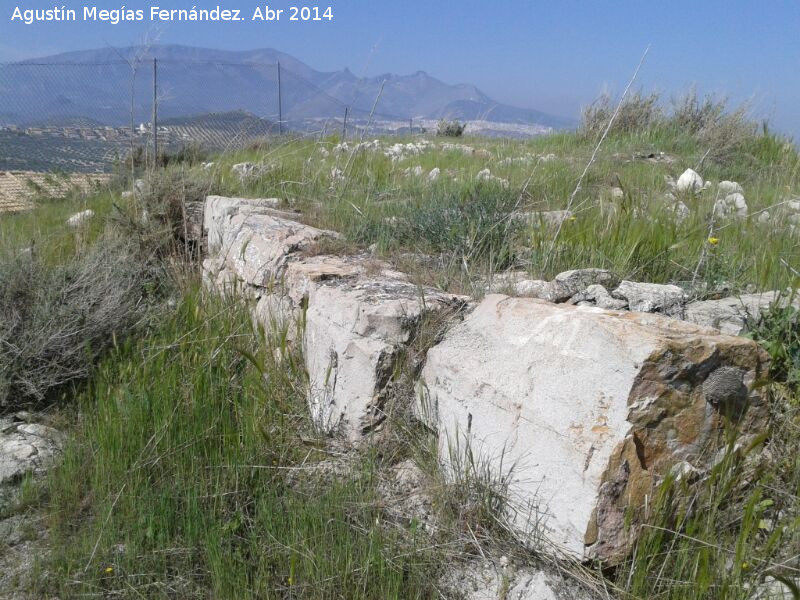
point(19, 189)
point(684, 396)
point(627, 483)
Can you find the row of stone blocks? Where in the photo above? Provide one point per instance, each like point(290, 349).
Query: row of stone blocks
point(585, 409)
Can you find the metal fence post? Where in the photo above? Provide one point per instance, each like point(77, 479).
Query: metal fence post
point(344, 124)
point(155, 114)
point(280, 104)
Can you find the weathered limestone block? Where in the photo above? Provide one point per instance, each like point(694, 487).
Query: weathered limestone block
point(591, 407)
point(567, 284)
point(257, 248)
point(283, 303)
point(218, 210)
point(651, 297)
point(733, 315)
point(355, 332)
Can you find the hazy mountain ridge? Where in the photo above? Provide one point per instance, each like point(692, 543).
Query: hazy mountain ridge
point(201, 80)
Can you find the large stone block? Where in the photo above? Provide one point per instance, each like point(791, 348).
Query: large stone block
point(218, 210)
point(256, 247)
point(355, 332)
point(591, 407)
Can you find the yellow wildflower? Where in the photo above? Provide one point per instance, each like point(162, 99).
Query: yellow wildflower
point(109, 569)
point(713, 241)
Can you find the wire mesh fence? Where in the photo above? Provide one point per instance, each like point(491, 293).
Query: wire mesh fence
point(88, 117)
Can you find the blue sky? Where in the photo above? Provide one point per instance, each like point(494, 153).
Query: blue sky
point(553, 56)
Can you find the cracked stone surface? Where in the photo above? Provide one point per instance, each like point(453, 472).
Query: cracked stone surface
point(592, 407)
point(26, 447)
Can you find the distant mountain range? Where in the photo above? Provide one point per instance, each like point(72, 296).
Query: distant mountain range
point(95, 85)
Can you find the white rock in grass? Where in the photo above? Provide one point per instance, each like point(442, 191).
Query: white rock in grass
point(680, 210)
point(26, 447)
point(729, 187)
point(689, 181)
point(247, 170)
point(486, 175)
point(584, 410)
point(732, 205)
point(80, 219)
point(617, 193)
point(434, 174)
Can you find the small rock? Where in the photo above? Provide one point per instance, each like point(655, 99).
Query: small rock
point(689, 181)
point(652, 297)
point(434, 174)
point(80, 219)
point(597, 295)
point(27, 447)
point(617, 193)
point(337, 175)
point(731, 205)
point(569, 283)
point(249, 170)
point(729, 187)
point(486, 175)
point(681, 211)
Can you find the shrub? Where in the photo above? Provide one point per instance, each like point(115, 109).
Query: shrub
point(189, 154)
point(452, 128)
point(637, 113)
point(172, 206)
point(57, 319)
point(722, 132)
point(474, 226)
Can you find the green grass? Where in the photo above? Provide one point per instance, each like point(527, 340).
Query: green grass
point(637, 238)
point(195, 472)
point(44, 227)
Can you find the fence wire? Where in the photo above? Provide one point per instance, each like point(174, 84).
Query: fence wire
point(87, 117)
